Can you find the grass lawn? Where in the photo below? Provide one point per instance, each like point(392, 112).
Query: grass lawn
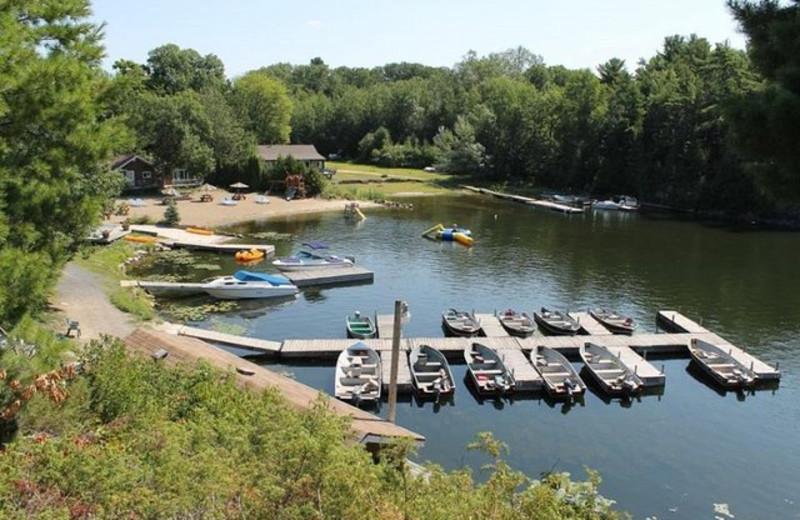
point(413, 181)
point(366, 171)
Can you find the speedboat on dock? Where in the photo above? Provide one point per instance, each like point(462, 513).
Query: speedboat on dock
point(556, 322)
point(614, 376)
point(516, 324)
point(614, 321)
point(248, 285)
point(430, 372)
point(313, 257)
point(461, 323)
point(487, 371)
point(358, 374)
point(726, 370)
point(561, 380)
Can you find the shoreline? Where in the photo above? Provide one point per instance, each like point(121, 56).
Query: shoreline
point(214, 214)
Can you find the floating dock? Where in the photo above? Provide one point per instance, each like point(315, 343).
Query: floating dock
point(589, 325)
point(491, 326)
point(339, 276)
point(545, 204)
point(634, 349)
point(180, 238)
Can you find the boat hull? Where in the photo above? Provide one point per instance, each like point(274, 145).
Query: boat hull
point(487, 372)
point(552, 328)
point(621, 325)
point(430, 373)
point(561, 380)
point(310, 267)
point(360, 327)
point(359, 376)
point(251, 293)
point(726, 371)
point(610, 373)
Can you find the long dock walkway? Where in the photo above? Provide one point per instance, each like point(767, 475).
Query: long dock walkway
point(175, 237)
point(546, 204)
point(633, 349)
point(491, 326)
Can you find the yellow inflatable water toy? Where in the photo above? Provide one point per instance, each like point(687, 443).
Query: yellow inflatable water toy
point(200, 231)
point(451, 234)
point(140, 238)
point(249, 256)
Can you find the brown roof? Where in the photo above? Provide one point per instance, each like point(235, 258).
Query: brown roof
point(366, 426)
point(301, 152)
point(121, 160)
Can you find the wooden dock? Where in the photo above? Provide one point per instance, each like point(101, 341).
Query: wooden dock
point(649, 374)
point(404, 384)
point(546, 204)
point(180, 238)
point(590, 325)
point(491, 326)
point(676, 322)
point(344, 275)
point(385, 324)
point(168, 289)
point(220, 248)
point(261, 346)
point(367, 428)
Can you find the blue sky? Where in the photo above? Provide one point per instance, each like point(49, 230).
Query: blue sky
point(248, 34)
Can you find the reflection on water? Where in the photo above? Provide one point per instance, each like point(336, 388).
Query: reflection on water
point(669, 455)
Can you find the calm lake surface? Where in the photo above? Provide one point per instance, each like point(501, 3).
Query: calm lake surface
point(691, 452)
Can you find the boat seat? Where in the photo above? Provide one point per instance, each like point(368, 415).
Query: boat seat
point(556, 374)
point(431, 364)
point(488, 372)
point(608, 370)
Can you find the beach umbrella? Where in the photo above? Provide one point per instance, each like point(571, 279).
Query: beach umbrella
point(239, 186)
point(207, 187)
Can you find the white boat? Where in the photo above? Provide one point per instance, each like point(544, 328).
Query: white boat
point(614, 376)
point(606, 205)
point(358, 374)
point(311, 258)
point(247, 284)
point(430, 372)
point(560, 378)
point(487, 371)
point(721, 365)
point(628, 203)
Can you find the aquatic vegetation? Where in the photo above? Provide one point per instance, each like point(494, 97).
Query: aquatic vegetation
point(227, 328)
point(273, 236)
point(183, 312)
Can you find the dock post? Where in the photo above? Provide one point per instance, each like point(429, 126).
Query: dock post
point(391, 413)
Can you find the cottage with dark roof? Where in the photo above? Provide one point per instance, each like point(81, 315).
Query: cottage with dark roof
point(139, 173)
point(305, 153)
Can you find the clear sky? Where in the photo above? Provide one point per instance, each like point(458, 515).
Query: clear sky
point(248, 34)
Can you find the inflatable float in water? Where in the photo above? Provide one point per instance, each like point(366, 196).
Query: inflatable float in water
point(451, 234)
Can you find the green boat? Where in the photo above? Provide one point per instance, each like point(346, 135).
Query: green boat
point(360, 327)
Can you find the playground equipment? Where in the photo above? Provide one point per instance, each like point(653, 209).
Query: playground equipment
point(451, 234)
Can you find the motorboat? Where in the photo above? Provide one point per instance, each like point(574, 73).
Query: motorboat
point(606, 205)
point(628, 203)
point(610, 372)
point(556, 322)
point(247, 285)
point(461, 323)
point(358, 374)
point(614, 321)
point(561, 380)
point(516, 324)
point(487, 371)
point(726, 370)
point(360, 327)
point(313, 257)
point(430, 372)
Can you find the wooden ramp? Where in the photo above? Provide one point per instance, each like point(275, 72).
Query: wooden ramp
point(367, 428)
point(491, 326)
point(257, 345)
point(649, 374)
point(168, 289)
point(344, 275)
point(673, 321)
point(590, 325)
point(404, 384)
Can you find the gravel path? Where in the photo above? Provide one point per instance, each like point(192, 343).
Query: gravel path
point(80, 296)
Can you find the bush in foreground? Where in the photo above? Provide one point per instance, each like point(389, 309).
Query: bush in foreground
point(135, 439)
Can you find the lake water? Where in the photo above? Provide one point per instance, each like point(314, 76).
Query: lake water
point(689, 452)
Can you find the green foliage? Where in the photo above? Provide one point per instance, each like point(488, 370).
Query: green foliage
point(54, 140)
point(171, 216)
point(265, 106)
point(135, 301)
point(765, 120)
point(173, 70)
point(135, 438)
point(458, 150)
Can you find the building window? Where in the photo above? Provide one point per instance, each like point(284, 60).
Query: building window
point(130, 177)
point(147, 175)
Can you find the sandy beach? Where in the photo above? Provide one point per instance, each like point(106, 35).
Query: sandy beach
point(213, 214)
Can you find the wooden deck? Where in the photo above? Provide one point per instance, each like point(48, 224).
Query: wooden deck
point(345, 275)
point(650, 375)
point(491, 326)
point(676, 322)
point(590, 325)
point(257, 345)
point(385, 323)
point(175, 237)
point(366, 427)
point(546, 204)
point(404, 384)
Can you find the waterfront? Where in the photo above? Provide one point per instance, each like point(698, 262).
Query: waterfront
point(672, 455)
